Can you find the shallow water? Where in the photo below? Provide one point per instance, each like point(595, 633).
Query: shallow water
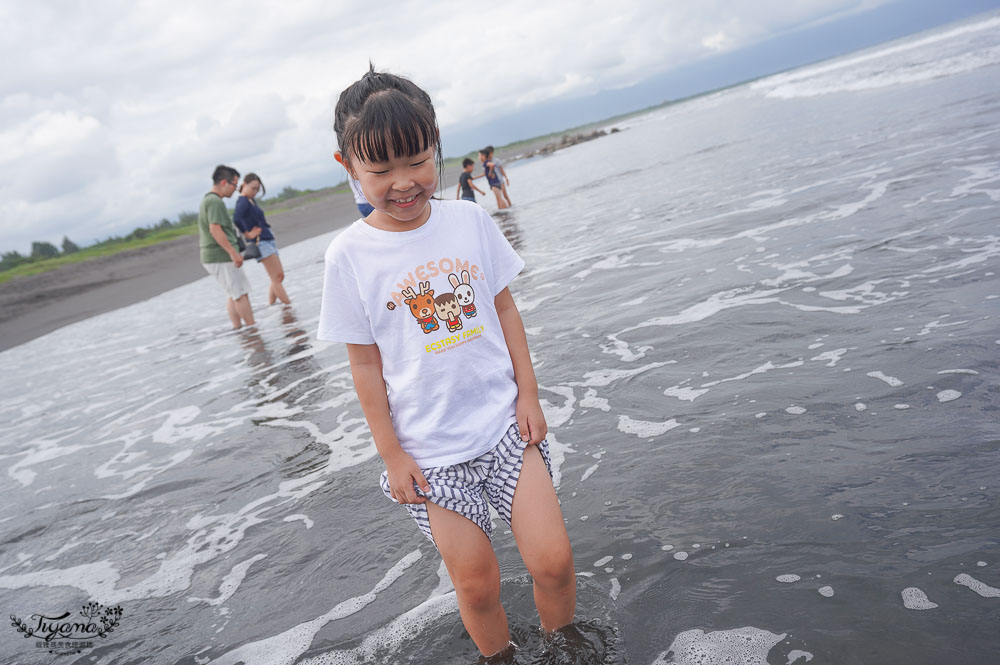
point(765, 326)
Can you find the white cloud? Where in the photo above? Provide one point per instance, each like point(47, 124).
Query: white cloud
point(52, 153)
point(114, 113)
point(715, 42)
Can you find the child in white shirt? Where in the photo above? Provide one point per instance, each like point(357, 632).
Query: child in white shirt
point(418, 292)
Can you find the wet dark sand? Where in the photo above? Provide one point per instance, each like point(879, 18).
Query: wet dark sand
point(38, 304)
point(35, 305)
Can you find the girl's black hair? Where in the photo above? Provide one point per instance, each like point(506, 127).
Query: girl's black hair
point(253, 177)
point(384, 114)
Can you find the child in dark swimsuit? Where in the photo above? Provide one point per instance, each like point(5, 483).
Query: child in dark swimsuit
point(492, 178)
point(498, 166)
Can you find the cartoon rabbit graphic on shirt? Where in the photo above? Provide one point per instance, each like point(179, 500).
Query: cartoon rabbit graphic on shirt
point(424, 306)
point(464, 293)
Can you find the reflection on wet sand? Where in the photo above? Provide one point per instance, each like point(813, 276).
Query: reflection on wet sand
point(506, 219)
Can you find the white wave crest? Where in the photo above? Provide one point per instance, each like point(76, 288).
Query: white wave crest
point(912, 61)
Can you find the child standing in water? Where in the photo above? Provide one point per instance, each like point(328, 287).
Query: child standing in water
point(498, 166)
point(454, 411)
point(493, 179)
point(465, 184)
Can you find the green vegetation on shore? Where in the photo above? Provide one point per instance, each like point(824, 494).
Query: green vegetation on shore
point(14, 264)
point(45, 256)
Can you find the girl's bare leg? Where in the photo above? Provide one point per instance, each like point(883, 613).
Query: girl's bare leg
point(474, 571)
point(501, 204)
point(503, 188)
point(272, 265)
point(537, 523)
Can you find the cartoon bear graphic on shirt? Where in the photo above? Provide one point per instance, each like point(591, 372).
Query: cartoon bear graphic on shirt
point(448, 307)
point(422, 306)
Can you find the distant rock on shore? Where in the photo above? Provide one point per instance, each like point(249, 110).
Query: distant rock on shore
point(567, 140)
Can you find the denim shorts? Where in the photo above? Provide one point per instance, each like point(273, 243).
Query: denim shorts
point(460, 487)
point(267, 248)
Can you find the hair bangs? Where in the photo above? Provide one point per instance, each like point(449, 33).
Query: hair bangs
point(389, 125)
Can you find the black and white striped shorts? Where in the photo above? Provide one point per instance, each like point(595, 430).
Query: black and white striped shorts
point(460, 487)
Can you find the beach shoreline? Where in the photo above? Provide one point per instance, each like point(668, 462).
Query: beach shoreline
point(35, 305)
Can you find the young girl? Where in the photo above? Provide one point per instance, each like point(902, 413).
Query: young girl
point(418, 292)
point(493, 179)
point(250, 219)
point(498, 166)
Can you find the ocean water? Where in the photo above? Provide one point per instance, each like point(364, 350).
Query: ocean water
point(765, 325)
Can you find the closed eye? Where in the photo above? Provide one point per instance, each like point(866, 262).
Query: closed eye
point(418, 163)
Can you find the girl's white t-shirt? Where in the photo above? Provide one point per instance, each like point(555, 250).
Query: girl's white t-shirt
point(425, 297)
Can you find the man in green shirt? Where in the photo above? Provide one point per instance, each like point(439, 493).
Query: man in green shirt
point(217, 244)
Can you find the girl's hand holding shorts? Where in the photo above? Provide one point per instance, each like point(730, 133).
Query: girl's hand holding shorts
point(469, 488)
point(531, 421)
point(402, 474)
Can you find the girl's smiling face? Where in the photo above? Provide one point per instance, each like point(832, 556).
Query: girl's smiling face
point(399, 189)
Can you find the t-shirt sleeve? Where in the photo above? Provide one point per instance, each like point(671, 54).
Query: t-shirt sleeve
point(505, 261)
point(240, 214)
point(342, 315)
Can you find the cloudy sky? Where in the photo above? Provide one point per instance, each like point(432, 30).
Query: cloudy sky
point(113, 114)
